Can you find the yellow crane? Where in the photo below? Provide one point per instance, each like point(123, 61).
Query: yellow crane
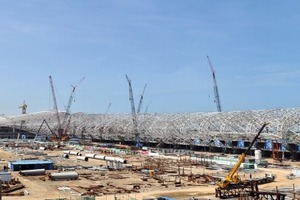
point(232, 177)
point(23, 107)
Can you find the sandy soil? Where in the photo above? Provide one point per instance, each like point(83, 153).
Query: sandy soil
point(47, 189)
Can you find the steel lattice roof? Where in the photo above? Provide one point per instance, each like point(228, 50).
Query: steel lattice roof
point(180, 128)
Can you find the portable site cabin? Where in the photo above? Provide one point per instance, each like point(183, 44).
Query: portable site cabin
point(30, 164)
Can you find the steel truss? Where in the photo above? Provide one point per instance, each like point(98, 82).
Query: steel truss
point(181, 128)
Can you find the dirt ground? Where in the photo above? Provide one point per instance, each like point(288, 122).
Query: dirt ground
point(118, 184)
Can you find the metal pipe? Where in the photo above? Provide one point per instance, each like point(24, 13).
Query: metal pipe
point(117, 159)
point(75, 153)
point(82, 158)
point(66, 155)
point(90, 155)
point(64, 176)
point(99, 157)
point(66, 152)
point(33, 172)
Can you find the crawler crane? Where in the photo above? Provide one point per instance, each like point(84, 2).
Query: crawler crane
point(58, 131)
point(133, 112)
point(231, 185)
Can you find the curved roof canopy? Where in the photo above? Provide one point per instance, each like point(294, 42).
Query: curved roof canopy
point(180, 128)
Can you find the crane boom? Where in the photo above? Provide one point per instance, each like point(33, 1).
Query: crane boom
point(70, 101)
point(232, 177)
point(108, 107)
point(55, 104)
point(141, 100)
point(134, 117)
point(65, 122)
point(216, 91)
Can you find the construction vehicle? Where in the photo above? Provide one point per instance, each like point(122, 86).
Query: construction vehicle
point(232, 184)
point(67, 118)
point(61, 132)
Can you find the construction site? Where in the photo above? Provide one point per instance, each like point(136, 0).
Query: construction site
point(221, 155)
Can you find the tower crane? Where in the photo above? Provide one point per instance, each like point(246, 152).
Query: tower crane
point(216, 91)
point(141, 100)
point(23, 107)
point(133, 112)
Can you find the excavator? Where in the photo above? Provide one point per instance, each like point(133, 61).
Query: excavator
point(232, 180)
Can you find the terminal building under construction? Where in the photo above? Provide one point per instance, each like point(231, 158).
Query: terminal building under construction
point(225, 132)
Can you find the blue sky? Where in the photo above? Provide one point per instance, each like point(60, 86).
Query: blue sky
point(253, 45)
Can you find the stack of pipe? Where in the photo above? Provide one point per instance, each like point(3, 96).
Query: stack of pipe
point(107, 158)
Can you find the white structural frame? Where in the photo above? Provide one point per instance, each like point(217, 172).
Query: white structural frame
point(179, 128)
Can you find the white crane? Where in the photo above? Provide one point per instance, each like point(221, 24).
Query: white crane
point(58, 136)
point(141, 100)
point(133, 112)
point(65, 124)
point(216, 91)
point(108, 107)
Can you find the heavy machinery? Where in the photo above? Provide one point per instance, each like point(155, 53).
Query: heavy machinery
point(231, 185)
point(216, 91)
point(57, 133)
point(61, 131)
point(23, 107)
point(133, 112)
point(67, 118)
point(108, 107)
point(141, 100)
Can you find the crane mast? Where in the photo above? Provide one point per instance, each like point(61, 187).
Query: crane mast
point(55, 106)
point(24, 107)
point(134, 117)
point(141, 100)
point(216, 91)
